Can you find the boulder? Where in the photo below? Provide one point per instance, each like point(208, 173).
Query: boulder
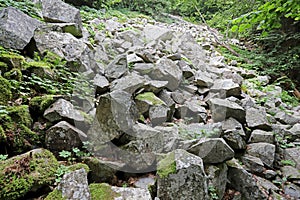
point(63, 136)
point(101, 83)
point(287, 117)
point(244, 182)
point(293, 154)
point(129, 83)
point(166, 70)
point(217, 178)
point(158, 114)
point(16, 28)
point(292, 190)
point(181, 176)
point(261, 136)
point(131, 193)
point(203, 79)
point(59, 11)
point(257, 118)
point(212, 150)
point(264, 151)
point(222, 109)
point(153, 32)
point(294, 132)
point(116, 68)
point(192, 111)
point(26, 173)
point(291, 173)
point(145, 100)
point(252, 164)
point(227, 87)
point(74, 185)
point(199, 130)
point(63, 110)
point(116, 114)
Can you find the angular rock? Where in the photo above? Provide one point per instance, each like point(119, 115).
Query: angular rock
point(199, 130)
point(181, 175)
point(291, 173)
point(222, 109)
point(233, 125)
point(63, 136)
point(292, 190)
point(101, 83)
point(131, 193)
point(257, 118)
point(294, 132)
point(155, 86)
point(130, 83)
point(74, 185)
point(261, 136)
point(234, 139)
point(63, 110)
point(157, 33)
point(59, 11)
point(192, 111)
point(212, 150)
point(144, 182)
point(143, 68)
point(227, 87)
point(252, 164)
point(264, 151)
point(16, 28)
point(145, 100)
point(166, 70)
point(117, 68)
point(217, 178)
point(116, 114)
point(293, 154)
point(102, 170)
point(244, 182)
point(203, 79)
point(158, 114)
point(287, 118)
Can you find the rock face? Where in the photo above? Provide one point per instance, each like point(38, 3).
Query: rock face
point(16, 28)
point(174, 171)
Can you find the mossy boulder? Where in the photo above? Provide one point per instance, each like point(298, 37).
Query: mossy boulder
point(102, 191)
point(40, 68)
point(55, 195)
point(145, 100)
point(5, 91)
point(27, 172)
point(16, 123)
point(77, 166)
point(167, 165)
point(38, 104)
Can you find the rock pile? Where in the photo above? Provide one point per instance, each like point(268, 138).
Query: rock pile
point(166, 101)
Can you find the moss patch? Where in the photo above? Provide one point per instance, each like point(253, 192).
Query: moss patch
point(21, 174)
point(14, 74)
point(20, 114)
point(55, 195)
point(5, 91)
point(78, 166)
point(167, 165)
point(102, 191)
point(150, 98)
point(13, 60)
point(39, 104)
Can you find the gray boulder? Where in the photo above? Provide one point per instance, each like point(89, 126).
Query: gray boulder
point(261, 136)
point(131, 193)
point(157, 33)
point(292, 190)
point(63, 110)
point(252, 164)
point(59, 11)
point(101, 83)
point(166, 70)
point(244, 182)
point(115, 114)
point(291, 173)
point(117, 68)
point(63, 136)
point(203, 79)
point(158, 114)
point(293, 154)
point(212, 150)
point(257, 118)
point(217, 178)
point(181, 176)
point(16, 28)
point(294, 132)
point(145, 100)
point(287, 117)
point(74, 185)
point(264, 151)
point(222, 109)
point(227, 87)
point(129, 83)
point(199, 130)
point(192, 111)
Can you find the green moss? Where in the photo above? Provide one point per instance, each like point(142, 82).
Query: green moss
point(102, 191)
point(2, 135)
point(37, 64)
point(39, 104)
point(20, 114)
point(167, 165)
point(78, 166)
point(21, 174)
point(150, 98)
point(13, 60)
point(3, 66)
point(14, 74)
point(5, 91)
point(55, 195)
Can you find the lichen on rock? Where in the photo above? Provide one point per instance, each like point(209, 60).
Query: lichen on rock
point(167, 165)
